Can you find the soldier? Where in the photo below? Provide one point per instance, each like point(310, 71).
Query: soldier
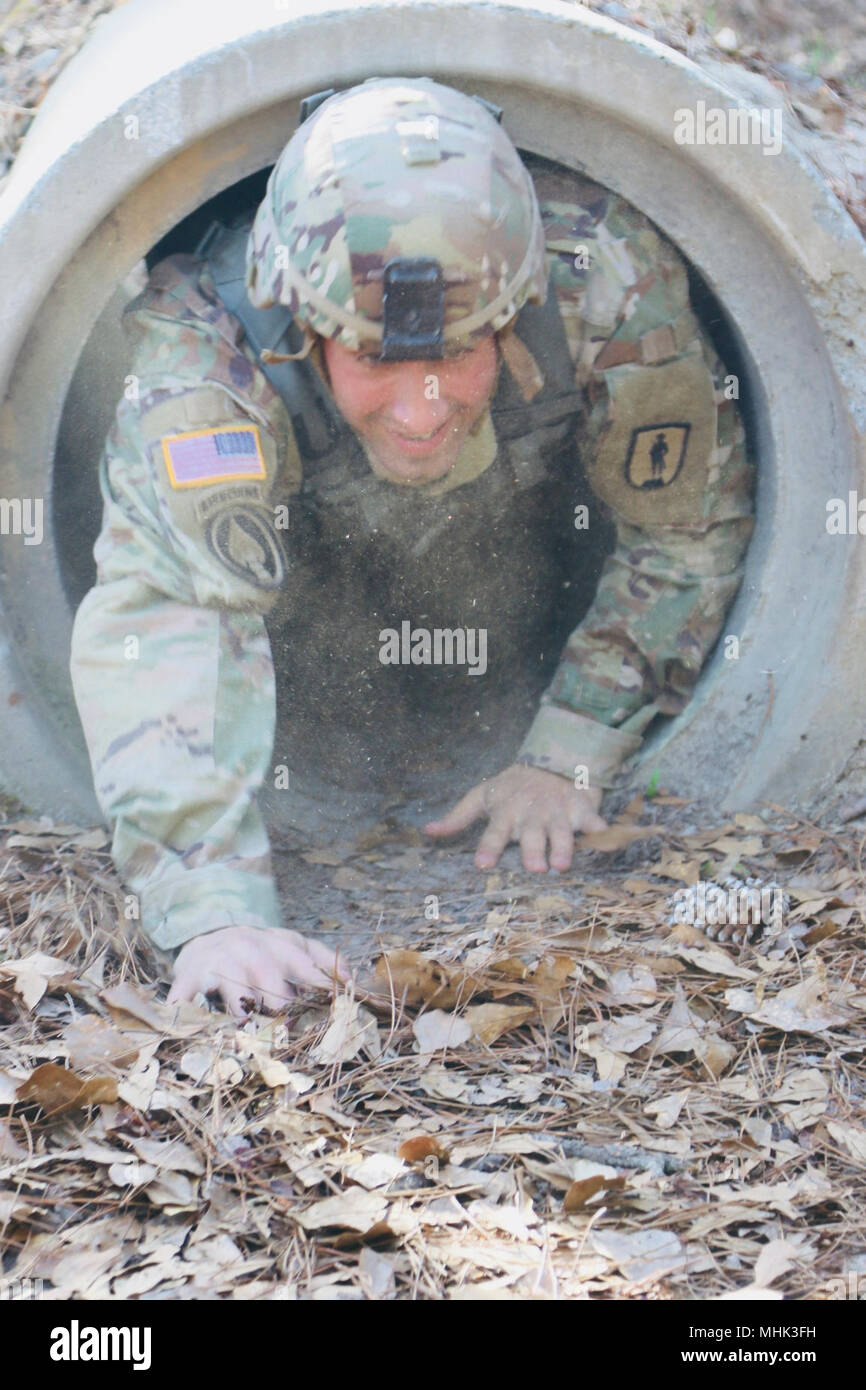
point(430, 347)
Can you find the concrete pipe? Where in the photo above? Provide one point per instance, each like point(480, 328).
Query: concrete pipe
point(173, 102)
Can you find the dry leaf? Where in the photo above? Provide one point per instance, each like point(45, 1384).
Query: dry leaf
point(714, 961)
point(641, 1255)
point(307, 1170)
point(677, 866)
point(137, 1089)
point(804, 1084)
point(580, 1192)
point(743, 1087)
point(173, 1020)
point(802, 1098)
point(59, 1090)
point(617, 837)
point(553, 905)
point(229, 1071)
point(508, 1217)
point(443, 1084)
point(173, 1191)
point(300, 1083)
point(682, 1031)
point(715, 1053)
point(9, 1087)
point(376, 1275)
point(512, 967)
point(489, 1021)
point(775, 1259)
point(637, 985)
point(13, 1208)
point(421, 1147)
point(734, 848)
point(9, 1146)
point(627, 1034)
point(609, 1065)
point(409, 975)
point(354, 1210)
point(801, 1008)
point(197, 1062)
point(91, 1042)
point(549, 986)
point(375, 1170)
point(761, 1131)
point(275, 1073)
point(438, 1030)
point(352, 1029)
point(167, 1155)
point(667, 1109)
point(36, 974)
point(131, 1173)
point(79, 1271)
point(851, 1138)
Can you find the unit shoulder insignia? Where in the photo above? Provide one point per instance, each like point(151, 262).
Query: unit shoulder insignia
point(652, 461)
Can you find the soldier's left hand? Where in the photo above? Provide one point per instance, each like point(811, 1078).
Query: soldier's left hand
point(530, 805)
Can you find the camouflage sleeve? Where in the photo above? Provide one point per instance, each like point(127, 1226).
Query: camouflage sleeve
point(664, 450)
point(171, 662)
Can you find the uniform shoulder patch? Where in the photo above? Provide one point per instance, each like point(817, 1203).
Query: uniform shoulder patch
point(226, 454)
point(653, 461)
point(656, 454)
point(242, 539)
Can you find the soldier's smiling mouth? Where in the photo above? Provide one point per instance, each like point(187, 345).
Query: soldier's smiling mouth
point(420, 445)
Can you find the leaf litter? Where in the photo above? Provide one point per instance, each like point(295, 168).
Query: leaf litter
point(540, 1094)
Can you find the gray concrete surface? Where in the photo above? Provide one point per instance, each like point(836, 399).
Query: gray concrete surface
point(211, 91)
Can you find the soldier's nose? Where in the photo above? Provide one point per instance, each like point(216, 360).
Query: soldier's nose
point(415, 408)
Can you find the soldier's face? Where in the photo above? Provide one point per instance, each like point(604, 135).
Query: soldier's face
point(413, 416)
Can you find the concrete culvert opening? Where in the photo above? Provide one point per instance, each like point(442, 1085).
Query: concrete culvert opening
point(354, 737)
point(778, 276)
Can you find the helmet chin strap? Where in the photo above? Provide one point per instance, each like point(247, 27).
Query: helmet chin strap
point(268, 355)
point(520, 362)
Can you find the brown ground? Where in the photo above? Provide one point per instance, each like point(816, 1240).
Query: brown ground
point(549, 1091)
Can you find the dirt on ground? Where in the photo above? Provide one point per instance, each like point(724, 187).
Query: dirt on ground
point(537, 1088)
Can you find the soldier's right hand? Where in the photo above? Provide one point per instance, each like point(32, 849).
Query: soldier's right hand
point(250, 967)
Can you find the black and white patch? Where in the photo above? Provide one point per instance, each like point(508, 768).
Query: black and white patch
point(243, 540)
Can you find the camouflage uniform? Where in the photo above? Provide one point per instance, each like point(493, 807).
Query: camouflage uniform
point(172, 662)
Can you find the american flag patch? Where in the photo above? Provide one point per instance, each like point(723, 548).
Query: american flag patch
point(201, 457)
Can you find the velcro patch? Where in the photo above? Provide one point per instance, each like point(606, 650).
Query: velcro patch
point(242, 539)
point(653, 462)
point(200, 458)
point(656, 454)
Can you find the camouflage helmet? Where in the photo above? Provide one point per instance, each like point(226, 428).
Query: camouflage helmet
point(402, 173)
